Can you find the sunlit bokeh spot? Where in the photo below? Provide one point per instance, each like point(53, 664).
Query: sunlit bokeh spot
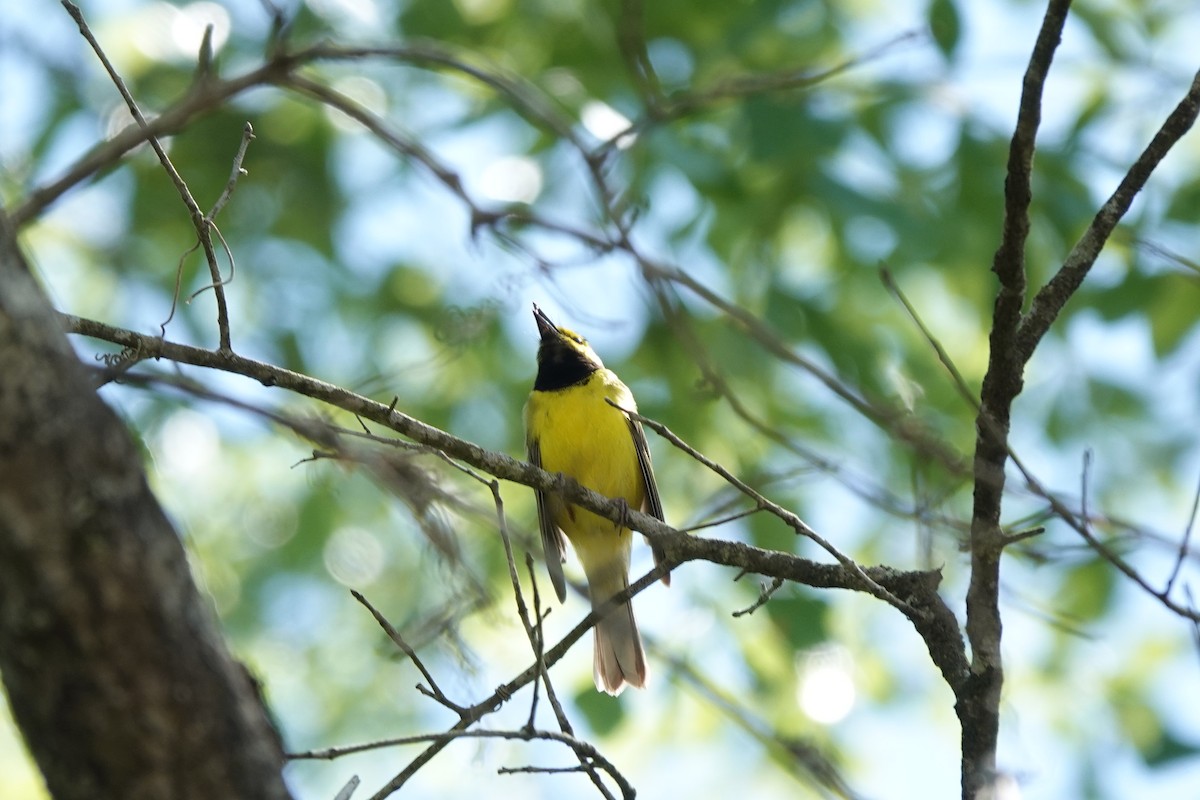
point(363, 92)
point(513, 179)
point(826, 691)
point(481, 12)
point(164, 32)
point(273, 526)
point(187, 445)
point(354, 557)
point(1004, 787)
point(190, 22)
point(605, 122)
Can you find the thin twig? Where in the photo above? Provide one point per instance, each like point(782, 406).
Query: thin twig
point(860, 485)
point(348, 789)
point(1020, 536)
point(724, 520)
point(201, 224)
point(582, 748)
point(927, 611)
point(960, 383)
point(1084, 479)
point(221, 281)
point(801, 755)
point(1059, 289)
point(790, 518)
point(538, 771)
point(534, 632)
point(402, 144)
point(1187, 592)
point(631, 39)
point(434, 691)
point(1184, 542)
point(235, 172)
point(899, 423)
point(789, 79)
point(1081, 526)
point(764, 594)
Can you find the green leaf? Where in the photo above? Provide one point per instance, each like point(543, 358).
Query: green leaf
point(1087, 590)
point(1174, 314)
point(1102, 26)
point(1112, 400)
point(1185, 202)
point(604, 714)
point(801, 619)
point(1167, 749)
point(946, 26)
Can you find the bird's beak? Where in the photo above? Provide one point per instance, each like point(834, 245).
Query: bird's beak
point(545, 327)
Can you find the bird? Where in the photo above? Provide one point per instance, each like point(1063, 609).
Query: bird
point(571, 428)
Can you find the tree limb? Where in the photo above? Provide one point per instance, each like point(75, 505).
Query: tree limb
point(112, 662)
point(916, 589)
point(978, 705)
point(1055, 294)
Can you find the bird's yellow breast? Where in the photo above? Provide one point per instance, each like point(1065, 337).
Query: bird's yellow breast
point(582, 436)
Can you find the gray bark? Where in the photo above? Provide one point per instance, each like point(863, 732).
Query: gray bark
point(112, 662)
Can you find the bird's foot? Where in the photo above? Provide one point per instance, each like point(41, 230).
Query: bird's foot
point(624, 506)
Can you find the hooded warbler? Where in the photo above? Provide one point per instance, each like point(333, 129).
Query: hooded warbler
point(570, 428)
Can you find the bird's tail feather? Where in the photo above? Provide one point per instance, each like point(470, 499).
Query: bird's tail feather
point(619, 658)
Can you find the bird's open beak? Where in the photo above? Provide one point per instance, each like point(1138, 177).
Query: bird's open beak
point(545, 326)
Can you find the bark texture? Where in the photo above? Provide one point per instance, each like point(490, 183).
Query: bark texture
point(113, 665)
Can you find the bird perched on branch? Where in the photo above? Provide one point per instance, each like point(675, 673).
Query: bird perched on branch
point(570, 427)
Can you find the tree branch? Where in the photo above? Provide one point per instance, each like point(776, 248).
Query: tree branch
point(978, 705)
point(917, 589)
point(1055, 294)
point(112, 662)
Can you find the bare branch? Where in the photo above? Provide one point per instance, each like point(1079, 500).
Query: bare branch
point(868, 489)
point(526, 97)
point(960, 383)
point(434, 691)
point(898, 422)
point(1055, 294)
point(915, 591)
point(801, 755)
point(1185, 541)
point(631, 38)
point(789, 79)
point(236, 172)
point(1009, 263)
point(535, 632)
point(765, 593)
point(793, 520)
point(978, 705)
point(582, 748)
point(201, 223)
point(1081, 526)
point(348, 789)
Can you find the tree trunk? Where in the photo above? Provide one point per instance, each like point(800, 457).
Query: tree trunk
point(112, 662)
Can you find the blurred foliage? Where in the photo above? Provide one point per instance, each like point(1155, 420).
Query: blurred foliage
point(356, 266)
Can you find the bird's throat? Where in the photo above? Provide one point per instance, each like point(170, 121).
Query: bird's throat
point(559, 368)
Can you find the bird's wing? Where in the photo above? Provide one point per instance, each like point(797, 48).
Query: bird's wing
point(552, 538)
point(653, 505)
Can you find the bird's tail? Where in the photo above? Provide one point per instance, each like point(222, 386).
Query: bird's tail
point(619, 658)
